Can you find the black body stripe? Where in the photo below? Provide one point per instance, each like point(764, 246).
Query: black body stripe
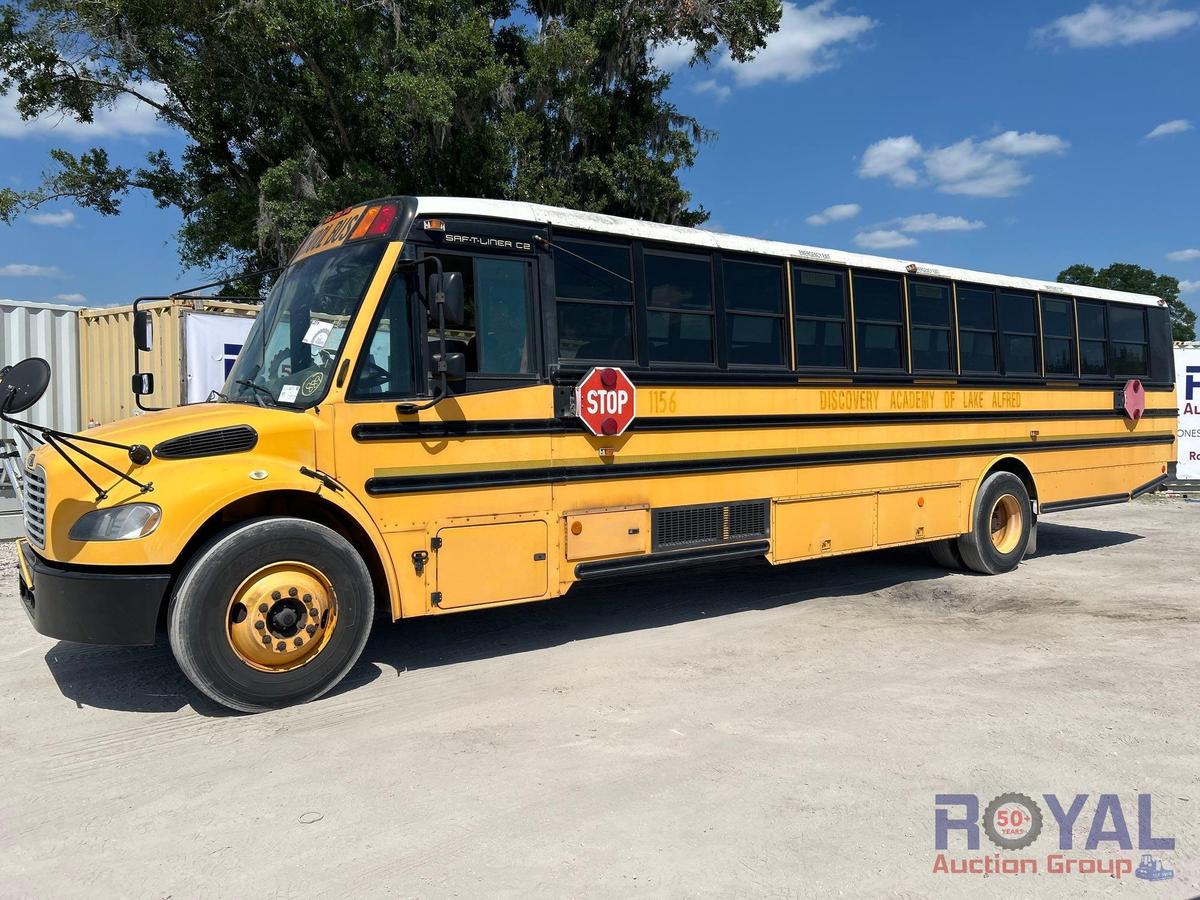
point(393, 431)
point(1152, 485)
point(655, 562)
point(450, 481)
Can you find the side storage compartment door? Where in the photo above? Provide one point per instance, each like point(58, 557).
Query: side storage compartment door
point(808, 528)
point(479, 564)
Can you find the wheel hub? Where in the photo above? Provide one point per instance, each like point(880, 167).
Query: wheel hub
point(281, 616)
point(1006, 523)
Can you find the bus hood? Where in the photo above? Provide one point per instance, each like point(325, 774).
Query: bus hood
point(202, 455)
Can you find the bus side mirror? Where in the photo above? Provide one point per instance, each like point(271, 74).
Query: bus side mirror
point(143, 384)
point(143, 332)
point(451, 285)
point(456, 365)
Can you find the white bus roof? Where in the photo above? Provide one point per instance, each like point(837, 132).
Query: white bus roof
point(677, 234)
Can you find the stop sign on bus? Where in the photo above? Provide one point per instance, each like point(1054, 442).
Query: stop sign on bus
point(605, 400)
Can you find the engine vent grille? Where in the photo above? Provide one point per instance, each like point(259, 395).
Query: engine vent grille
point(34, 492)
point(216, 442)
point(708, 525)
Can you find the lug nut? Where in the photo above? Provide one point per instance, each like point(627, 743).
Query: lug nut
point(308, 598)
point(299, 642)
point(260, 624)
point(281, 646)
point(292, 592)
point(262, 607)
point(275, 595)
point(311, 629)
point(313, 612)
point(266, 639)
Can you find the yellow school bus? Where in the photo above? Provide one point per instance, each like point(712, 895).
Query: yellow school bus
point(449, 404)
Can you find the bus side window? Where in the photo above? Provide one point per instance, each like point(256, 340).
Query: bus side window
point(977, 330)
point(1093, 335)
point(679, 307)
point(385, 368)
point(1058, 336)
point(929, 310)
point(593, 287)
point(1018, 334)
point(820, 318)
point(879, 322)
point(1129, 345)
point(754, 312)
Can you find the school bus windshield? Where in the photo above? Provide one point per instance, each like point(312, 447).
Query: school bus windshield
point(289, 355)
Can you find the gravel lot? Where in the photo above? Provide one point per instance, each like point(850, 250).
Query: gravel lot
point(741, 731)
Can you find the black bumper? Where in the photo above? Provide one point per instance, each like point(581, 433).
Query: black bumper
point(89, 605)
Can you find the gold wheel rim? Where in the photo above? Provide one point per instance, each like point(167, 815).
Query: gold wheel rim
point(1006, 523)
point(281, 617)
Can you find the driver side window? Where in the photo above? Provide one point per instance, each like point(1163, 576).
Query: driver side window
point(386, 368)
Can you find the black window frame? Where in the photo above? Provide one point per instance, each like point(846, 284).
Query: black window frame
point(643, 301)
point(848, 354)
point(950, 329)
point(1072, 338)
point(1038, 366)
point(994, 331)
point(728, 312)
point(901, 325)
point(1103, 342)
point(631, 304)
point(1112, 341)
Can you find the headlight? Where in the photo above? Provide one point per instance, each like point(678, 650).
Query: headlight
point(119, 523)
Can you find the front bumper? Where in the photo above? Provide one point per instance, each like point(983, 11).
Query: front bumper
point(87, 605)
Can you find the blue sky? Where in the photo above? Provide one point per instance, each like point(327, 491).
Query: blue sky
point(1017, 137)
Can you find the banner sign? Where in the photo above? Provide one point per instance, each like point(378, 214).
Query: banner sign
point(1187, 380)
point(211, 344)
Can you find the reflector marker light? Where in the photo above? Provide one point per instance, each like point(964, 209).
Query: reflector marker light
point(364, 223)
point(435, 225)
point(383, 221)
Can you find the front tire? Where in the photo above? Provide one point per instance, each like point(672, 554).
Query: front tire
point(1000, 524)
point(270, 613)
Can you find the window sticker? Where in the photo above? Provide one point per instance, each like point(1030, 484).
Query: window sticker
point(288, 393)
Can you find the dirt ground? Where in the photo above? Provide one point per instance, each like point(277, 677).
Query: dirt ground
point(742, 731)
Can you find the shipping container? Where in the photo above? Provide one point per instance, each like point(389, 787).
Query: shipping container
point(48, 330)
point(195, 342)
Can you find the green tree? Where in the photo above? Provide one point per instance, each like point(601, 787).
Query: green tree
point(293, 108)
point(1138, 280)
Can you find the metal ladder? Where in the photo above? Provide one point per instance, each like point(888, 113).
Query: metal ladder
point(11, 457)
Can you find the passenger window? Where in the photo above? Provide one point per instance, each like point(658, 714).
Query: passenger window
point(879, 322)
point(754, 312)
point(679, 315)
point(1127, 336)
point(594, 300)
point(1093, 335)
point(1058, 336)
point(929, 311)
point(977, 330)
point(1018, 333)
point(819, 297)
point(495, 338)
point(386, 367)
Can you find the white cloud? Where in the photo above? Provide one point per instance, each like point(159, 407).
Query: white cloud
point(1101, 25)
point(1029, 143)
point(892, 158)
point(1175, 126)
point(672, 55)
point(1184, 255)
point(24, 270)
point(883, 239)
point(933, 222)
point(1189, 287)
point(988, 169)
point(55, 219)
point(837, 213)
point(719, 91)
point(808, 42)
point(127, 117)
point(71, 298)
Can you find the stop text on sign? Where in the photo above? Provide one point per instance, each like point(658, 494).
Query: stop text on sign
point(605, 401)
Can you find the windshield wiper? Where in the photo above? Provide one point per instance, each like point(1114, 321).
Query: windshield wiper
point(260, 389)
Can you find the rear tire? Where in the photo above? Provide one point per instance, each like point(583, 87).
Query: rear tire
point(1000, 524)
point(945, 553)
point(270, 613)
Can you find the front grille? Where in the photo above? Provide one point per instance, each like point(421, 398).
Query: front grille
point(708, 525)
point(34, 491)
point(217, 442)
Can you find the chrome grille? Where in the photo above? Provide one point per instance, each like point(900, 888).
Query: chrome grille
point(35, 506)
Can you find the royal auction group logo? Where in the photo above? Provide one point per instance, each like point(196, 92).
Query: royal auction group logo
point(1013, 822)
